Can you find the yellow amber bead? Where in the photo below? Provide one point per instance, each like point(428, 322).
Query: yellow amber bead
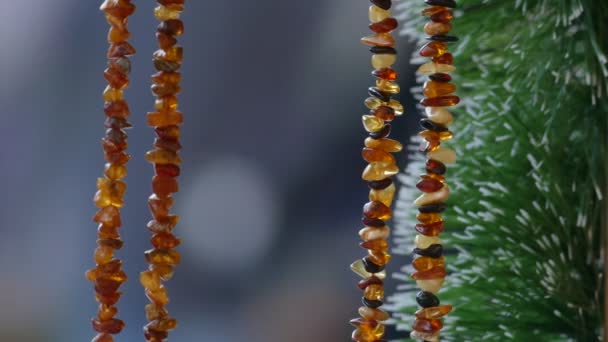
point(374, 233)
point(385, 144)
point(163, 13)
point(423, 264)
point(374, 292)
point(368, 334)
point(388, 86)
point(373, 314)
point(373, 102)
point(379, 257)
point(165, 271)
point(439, 115)
point(439, 196)
point(379, 170)
point(372, 123)
point(430, 285)
point(434, 312)
point(423, 241)
point(444, 155)
point(107, 312)
point(432, 68)
point(377, 14)
point(160, 156)
point(359, 268)
point(428, 217)
point(150, 280)
point(103, 255)
point(385, 195)
point(160, 296)
point(115, 172)
point(112, 94)
point(380, 61)
point(160, 256)
point(397, 107)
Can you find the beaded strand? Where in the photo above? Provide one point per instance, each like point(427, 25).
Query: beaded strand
point(163, 257)
point(108, 275)
point(429, 266)
point(378, 173)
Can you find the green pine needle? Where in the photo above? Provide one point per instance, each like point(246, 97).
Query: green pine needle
point(527, 208)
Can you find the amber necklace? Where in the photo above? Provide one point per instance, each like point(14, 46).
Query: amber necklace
point(166, 160)
point(378, 173)
point(108, 275)
point(429, 266)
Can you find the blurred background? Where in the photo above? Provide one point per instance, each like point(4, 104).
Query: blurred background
point(270, 191)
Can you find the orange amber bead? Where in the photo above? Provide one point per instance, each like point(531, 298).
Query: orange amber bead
point(434, 273)
point(434, 312)
point(378, 245)
point(374, 292)
point(433, 49)
point(429, 11)
point(430, 229)
point(385, 113)
point(432, 28)
point(384, 26)
point(427, 325)
point(159, 207)
point(371, 155)
point(111, 326)
point(386, 74)
point(379, 39)
point(160, 156)
point(435, 89)
point(377, 210)
point(165, 241)
point(164, 186)
point(161, 256)
point(446, 58)
point(442, 16)
point(441, 101)
point(388, 145)
point(424, 264)
point(103, 338)
point(428, 217)
point(429, 185)
point(379, 258)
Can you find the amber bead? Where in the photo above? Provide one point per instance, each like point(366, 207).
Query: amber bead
point(159, 207)
point(444, 155)
point(117, 109)
point(173, 27)
point(433, 251)
point(385, 73)
point(373, 314)
point(383, 133)
point(379, 94)
point(374, 155)
point(111, 326)
point(161, 256)
point(165, 271)
point(439, 115)
point(121, 49)
point(380, 184)
point(428, 217)
point(168, 132)
point(109, 299)
point(435, 312)
point(384, 26)
point(377, 210)
point(433, 68)
point(109, 216)
point(435, 166)
point(107, 232)
point(444, 3)
point(373, 233)
point(440, 101)
point(433, 49)
point(165, 241)
point(385, 195)
point(427, 299)
point(442, 16)
point(377, 14)
point(379, 39)
point(385, 144)
point(160, 156)
point(435, 89)
point(429, 185)
point(384, 112)
point(389, 87)
point(165, 224)
point(430, 229)
point(164, 186)
point(379, 170)
point(424, 264)
point(433, 208)
point(159, 296)
point(363, 284)
point(154, 311)
point(118, 8)
point(150, 280)
point(446, 58)
point(164, 324)
point(358, 268)
point(372, 123)
point(380, 245)
point(117, 34)
point(434, 273)
point(426, 337)
point(378, 257)
point(427, 325)
point(440, 77)
point(374, 292)
point(103, 338)
point(115, 78)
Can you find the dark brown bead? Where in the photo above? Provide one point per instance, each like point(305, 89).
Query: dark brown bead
point(377, 210)
point(381, 184)
point(164, 241)
point(167, 132)
point(383, 133)
point(432, 126)
point(121, 64)
point(117, 109)
point(165, 41)
point(442, 38)
point(383, 50)
point(164, 186)
point(113, 243)
point(377, 93)
point(117, 123)
point(168, 144)
point(374, 304)
point(167, 170)
point(440, 101)
point(371, 222)
point(440, 77)
point(435, 166)
point(173, 27)
point(442, 16)
point(106, 287)
point(171, 2)
point(371, 267)
point(446, 58)
point(109, 299)
point(444, 3)
point(118, 158)
point(116, 138)
point(429, 185)
point(384, 26)
point(433, 251)
point(433, 208)
point(384, 4)
point(112, 326)
point(430, 229)
point(385, 113)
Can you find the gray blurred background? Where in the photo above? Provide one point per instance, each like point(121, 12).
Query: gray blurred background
point(270, 191)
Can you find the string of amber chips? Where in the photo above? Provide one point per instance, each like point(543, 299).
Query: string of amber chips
point(166, 119)
point(429, 264)
point(108, 275)
point(378, 174)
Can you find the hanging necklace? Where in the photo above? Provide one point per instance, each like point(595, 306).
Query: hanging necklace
point(429, 266)
point(378, 173)
point(165, 120)
point(108, 275)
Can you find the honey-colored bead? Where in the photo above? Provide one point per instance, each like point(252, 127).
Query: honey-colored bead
point(434, 312)
point(160, 156)
point(154, 311)
point(444, 155)
point(359, 268)
point(385, 113)
point(115, 172)
point(423, 241)
point(427, 325)
point(433, 68)
point(118, 34)
point(378, 245)
point(377, 210)
point(433, 273)
point(385, 196)
point(172, 54)
point(440, 101)
point(109, 216)
point(374, 233)
point(164, 186)
point(164, 324)
point(367, 334)
point(388, 145)
point(432, 140)
point(165, 271)
point(378, 257)
point(379, 170)
point(383, 60)
point(397, 107)
point(429, 11)
point(439, 196)
point(430, 285)
point(426, 263)
point(373, 314)
point(371, 155)
point(434, 28)
point(159, 207)
point(374, 292)
point(160, 296)
point(385, 73)
point(106, 312)
point(379, 39)
point(103, 255)
point(165, 241)
point(446, 58)
point(117, 8)
point(377, 14)
point(428, 217)
point(433, 49)
point(386, 25)
point(439, 115)
point(111, 94)
point(163, 13)
point(112, 326)
point(372, 123)
point(166, 103)
point(373, 102)
point(430, 229)
point(444, 16)
point(150, 280)
point(428, 337)
point(435, 89)
point(388, 86)
point(160, 256)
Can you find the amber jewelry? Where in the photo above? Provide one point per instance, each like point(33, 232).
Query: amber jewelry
point(378, 173)
point(429, 265)
point(108, 275)
point(166, 120)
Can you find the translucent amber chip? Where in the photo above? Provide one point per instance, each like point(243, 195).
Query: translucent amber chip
point(435, 89)
point(428, 217)
point(373, 314)
point(379, 170)
point(434, 28)
point(377, 14)
point(433, 49)
point(374, 292)
point(374, 155)
point(388, 145)
point(384, 196)
point(434, 312)
point(379, 39)
point(377, 210)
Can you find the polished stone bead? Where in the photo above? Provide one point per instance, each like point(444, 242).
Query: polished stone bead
point(112, 326)
point(364, 283)
point(374, 292)
point(372, 222)
point(385, 113)
point(440, 101)
point(440, 77)
point(385, 73)
point(371, 267)
point(383, 133)
point(429, 185)
point(432, 251)
point(374, 304)
point(379, 94)
point(433, 68)
point(442, 38)
point(439, 196)
point(430, 285)
point(379, 39)
point(358, 268)
point(385, 195)
point(434, 312)
point(381, 61)
point(373, 314)
point(384, 4)
point(427, 299)
point(384, 26)
point(444, 16)
point(379, 245)
point(433, 208)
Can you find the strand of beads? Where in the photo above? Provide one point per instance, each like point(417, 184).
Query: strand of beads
point(382, 166)
point(166, 121)
point(108, 275)
point(429, 265)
